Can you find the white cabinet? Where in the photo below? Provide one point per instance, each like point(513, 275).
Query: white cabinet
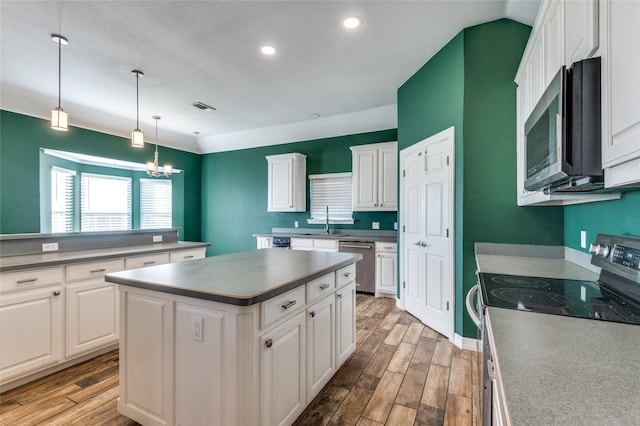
point(325, 245)
point(581, 34)
point(345, 321)
point(620, 33)
point(321, 354)
point(310, 244)
point(286, 183)
point(386, 268)
point(263, 242)
point(375, 177)
point(186, 255)
point(92, 306)
point(146, 260)
point(31, 331)
point(304, 244)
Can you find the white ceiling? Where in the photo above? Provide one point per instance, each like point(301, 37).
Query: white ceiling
point(208, 51)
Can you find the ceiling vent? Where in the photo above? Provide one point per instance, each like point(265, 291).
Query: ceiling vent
point(203, 106)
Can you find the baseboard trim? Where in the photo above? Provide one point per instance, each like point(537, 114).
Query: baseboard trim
point(465, 343)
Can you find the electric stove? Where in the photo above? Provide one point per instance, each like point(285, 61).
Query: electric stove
point(614, 297)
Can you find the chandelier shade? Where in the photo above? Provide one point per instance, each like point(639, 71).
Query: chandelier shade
point(137, 137)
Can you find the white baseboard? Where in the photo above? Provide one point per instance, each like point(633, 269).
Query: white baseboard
point(465, 343)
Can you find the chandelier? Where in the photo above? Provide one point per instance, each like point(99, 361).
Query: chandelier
point(152, 166)
point(58, 115)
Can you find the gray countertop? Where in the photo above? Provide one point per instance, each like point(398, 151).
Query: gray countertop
point(241, 279)
point(21, 262)
point(558, 369)
point(356, 235)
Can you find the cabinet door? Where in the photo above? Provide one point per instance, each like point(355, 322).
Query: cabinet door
point(92, 316)
point(280, 190)
point(146, 260)
point(553, 41)
point(345, 323)
point(388, 178)
point(264, 242)
point(386, 270)
point(621, 83)
point(365, 179)
point(30, 331)
point(321, 364)
point(186, 255)
point(283, 360)
point(581, 34)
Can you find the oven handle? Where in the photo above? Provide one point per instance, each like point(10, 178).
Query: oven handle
point(470, 309)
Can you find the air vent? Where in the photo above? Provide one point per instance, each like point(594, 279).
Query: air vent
point(203, 106)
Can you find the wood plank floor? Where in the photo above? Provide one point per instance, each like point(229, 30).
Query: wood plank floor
point(402, 373)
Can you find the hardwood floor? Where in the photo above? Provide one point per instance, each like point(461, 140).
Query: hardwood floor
point(402, 373)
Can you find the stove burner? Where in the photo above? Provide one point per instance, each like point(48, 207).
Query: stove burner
point(531, 298)
point(519, 281)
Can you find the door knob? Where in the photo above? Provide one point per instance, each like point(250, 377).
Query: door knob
point(421, 244)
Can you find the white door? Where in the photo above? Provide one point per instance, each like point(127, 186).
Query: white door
point(427, 224)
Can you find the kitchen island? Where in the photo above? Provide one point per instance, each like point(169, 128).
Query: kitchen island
point(241, 339)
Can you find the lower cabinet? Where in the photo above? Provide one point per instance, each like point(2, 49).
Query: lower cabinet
point(284, 366)
point(30, 331)
point(321, 354)
point(386, 269)
point(345, 322)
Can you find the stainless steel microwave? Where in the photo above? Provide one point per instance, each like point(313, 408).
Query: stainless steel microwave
point(563, 132)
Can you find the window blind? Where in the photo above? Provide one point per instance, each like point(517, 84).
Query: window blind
point(155, 203)
point(333, 190)
point(105, 203)
point(62, 197)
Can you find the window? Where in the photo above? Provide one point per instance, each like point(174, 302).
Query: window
point(62, 196)
point(105, 203)
point(333, 190)
point(155, 203)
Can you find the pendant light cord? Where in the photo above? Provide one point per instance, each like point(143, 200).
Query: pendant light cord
point(138, 102)
point(59, 71)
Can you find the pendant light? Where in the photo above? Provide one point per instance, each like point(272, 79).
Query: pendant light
point(152, 166)
point(58, 115)
point(137, 137)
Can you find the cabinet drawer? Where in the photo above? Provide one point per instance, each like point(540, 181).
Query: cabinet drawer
point(31, 278)
point(278, 307)
point(325, 245)
point(387, 247)
point(345, 275)
point(185, 255)
point(302, 244)
point(147, 260)
point(320, 287)
point(87, 271)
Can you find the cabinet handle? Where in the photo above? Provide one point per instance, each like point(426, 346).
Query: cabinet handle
point(27, 280)
point(93, 271)
point(339, 295)
point(56, 293)
point(150, 262)
point(313, 314)
point(188, 257)
point(323, 287)
point(289, 304)
point(347, 274)
point(268, 343)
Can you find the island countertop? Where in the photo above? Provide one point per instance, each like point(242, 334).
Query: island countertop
point(240, 279)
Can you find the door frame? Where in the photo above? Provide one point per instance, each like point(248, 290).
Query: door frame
point(421, 146)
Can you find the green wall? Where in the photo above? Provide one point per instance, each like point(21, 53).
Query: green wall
point(469, 84)
point(620, 217)
point(234, 190)
point(21, 138)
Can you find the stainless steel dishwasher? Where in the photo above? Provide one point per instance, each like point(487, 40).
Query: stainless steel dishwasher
point(366, 268)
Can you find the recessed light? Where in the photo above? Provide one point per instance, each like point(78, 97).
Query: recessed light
point(203, 106)
point(196, 133)
point(315, 115)
point(352, 22)
point(268, 50)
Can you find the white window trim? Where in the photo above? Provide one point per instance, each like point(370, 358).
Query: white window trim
point(322, 220)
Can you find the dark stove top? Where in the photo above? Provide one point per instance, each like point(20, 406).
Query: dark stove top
point(583, 299)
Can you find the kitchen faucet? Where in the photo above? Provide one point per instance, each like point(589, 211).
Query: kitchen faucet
point(326, 225)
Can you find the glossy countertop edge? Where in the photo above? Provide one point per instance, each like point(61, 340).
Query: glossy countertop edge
point(40, 260)
point(241, 279)
point(564, 370)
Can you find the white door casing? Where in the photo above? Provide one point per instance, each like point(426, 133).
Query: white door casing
point(427, 224)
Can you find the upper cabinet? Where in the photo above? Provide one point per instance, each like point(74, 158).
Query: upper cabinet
point(375, 177)
point(566, 32)
point(287, 189)
point(619, 37)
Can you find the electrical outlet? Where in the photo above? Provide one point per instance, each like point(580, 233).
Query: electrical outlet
point(157, 238)
point(295, 224)
point(50, 247)
point(197, 332)
point(583, 239)
point(375, 225)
